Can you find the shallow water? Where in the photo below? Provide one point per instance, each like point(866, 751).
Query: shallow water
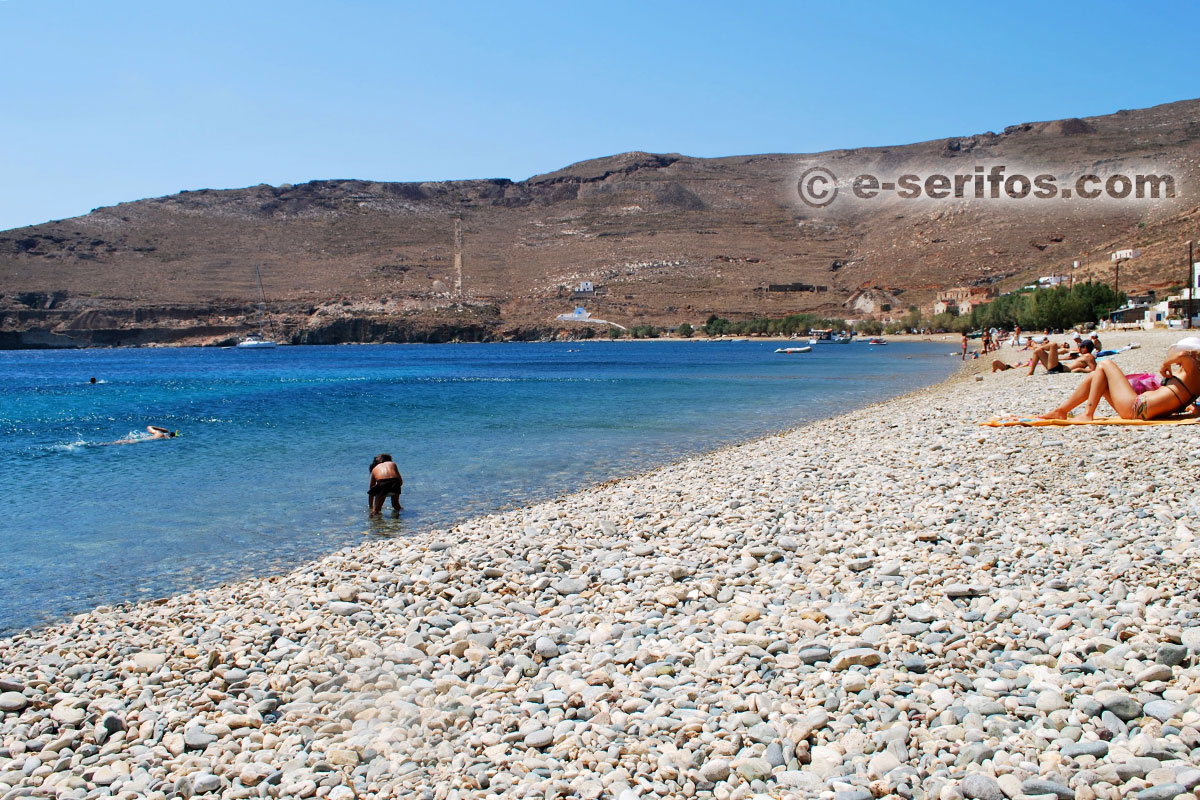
point(271, 466)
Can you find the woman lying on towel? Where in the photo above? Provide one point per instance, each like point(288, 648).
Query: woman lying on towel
point(1143, 395)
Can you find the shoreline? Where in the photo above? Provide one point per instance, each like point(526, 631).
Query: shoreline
point(894, 597)
point(668, 451)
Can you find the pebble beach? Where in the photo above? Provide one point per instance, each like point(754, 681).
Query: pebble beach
point(894, 602)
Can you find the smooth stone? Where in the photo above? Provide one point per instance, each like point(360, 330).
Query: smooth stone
point(205, 782)
point(920, 613)
point(343, 609)
point(855, 657)
point(981, 787)
point(1157, 672)
point(1042, 786)
point(762, 733)
point(1164, 791)
point(715, 770)
point(754, 769)
point(565, 586)
point(467, 597)
point(914, 664)
point(774, 755)
point(1136, 767)
point(1161, 710)
point(1094, 749)
point(855, 793)
point(67, 714)
point(148, 662)
point(854, 682)
point(1124, 706)
point(1191, 639)
point(1172, 654)
point(1188, 777)
point(197, 738)
point(545, 647)
point(539, 739)
point(881, 764)
point(105, 776)
point(813, 655)
point(13, 701)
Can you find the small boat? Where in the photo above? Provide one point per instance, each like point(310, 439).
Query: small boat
point(876, 340)
point(792, 350)
point(254, 341)
point(841, 339)
point(257, 341)
point(812, 341)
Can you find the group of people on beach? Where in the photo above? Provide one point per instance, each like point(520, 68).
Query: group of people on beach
point(1140, 395)
point(1053, 357)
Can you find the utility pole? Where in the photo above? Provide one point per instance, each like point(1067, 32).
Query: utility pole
point(458, 287)
point(1191, 282)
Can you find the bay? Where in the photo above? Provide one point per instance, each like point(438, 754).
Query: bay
point(271, 465)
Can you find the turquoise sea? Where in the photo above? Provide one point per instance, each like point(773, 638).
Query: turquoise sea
point(271, 465)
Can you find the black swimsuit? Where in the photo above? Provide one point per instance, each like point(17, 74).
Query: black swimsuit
point(1186, 401)
point(385, 487)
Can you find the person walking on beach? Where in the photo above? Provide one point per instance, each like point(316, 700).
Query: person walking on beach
point(385, 482)
point(964, 346)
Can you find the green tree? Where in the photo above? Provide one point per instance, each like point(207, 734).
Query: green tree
point(868, 327)
point(685, 330)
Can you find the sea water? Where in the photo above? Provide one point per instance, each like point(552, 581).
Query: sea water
point(271, 465)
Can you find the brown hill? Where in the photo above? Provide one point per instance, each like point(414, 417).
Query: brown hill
point(665, 238)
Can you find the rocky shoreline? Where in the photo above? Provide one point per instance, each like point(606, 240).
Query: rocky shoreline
point(893, 602)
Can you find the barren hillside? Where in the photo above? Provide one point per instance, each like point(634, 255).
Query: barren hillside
point(665, 238)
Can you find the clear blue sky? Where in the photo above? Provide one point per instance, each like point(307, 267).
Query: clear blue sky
point(117, 100)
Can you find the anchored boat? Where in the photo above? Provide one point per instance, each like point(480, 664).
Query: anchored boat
point(257, 341)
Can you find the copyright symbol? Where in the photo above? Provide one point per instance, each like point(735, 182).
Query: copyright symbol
point(817, 187)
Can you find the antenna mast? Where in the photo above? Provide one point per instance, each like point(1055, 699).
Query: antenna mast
point(458, 257)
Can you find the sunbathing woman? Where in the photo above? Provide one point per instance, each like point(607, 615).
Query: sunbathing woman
point(1050, 356)
point(1141, 396)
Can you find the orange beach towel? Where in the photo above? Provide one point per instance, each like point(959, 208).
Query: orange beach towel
point(1010, 422)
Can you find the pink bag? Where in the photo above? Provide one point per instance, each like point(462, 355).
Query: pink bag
point(1143, 382)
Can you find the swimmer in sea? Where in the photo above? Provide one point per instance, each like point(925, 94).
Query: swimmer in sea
point(155, 431)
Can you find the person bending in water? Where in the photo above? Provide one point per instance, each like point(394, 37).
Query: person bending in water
point(155, 431)
point(385, 482)
point(1140, 396)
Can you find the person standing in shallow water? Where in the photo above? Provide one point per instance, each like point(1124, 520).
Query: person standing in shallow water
point(385, 482)
point(964, 347)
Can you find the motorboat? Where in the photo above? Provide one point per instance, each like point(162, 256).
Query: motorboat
point(792, 350)
point(876, 340)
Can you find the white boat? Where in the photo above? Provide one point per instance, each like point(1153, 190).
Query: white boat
point(792, 350)
point(257, 341)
